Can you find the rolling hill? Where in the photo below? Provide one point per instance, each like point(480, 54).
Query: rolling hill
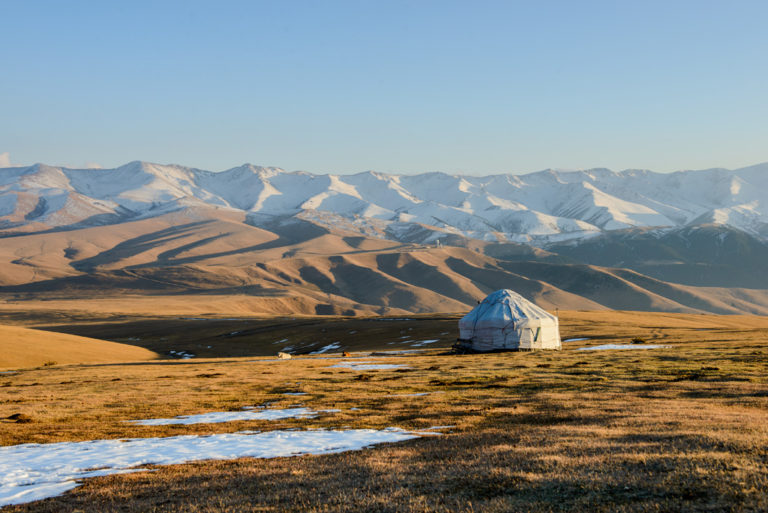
point(210, 261)
point(261, 241)
point(24, 347)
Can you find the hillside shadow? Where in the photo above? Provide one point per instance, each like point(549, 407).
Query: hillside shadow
point(89, 222)
point(295, 232)
point(137, 245)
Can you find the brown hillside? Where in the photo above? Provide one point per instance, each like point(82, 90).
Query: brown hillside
point(23, 347)
point(207, 260)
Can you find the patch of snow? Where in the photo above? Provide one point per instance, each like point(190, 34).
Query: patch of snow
point(622, 346)
point(369, 366)
point(216, 417)
point(575, 339)
point(281, 341)
point(397, 351)
point(424, 343)
point(329, 347)
point(184, 355)
point(295, 393)
point(418, 394)
point(31, 472)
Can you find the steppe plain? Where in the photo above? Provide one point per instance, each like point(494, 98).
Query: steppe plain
point(678, 428)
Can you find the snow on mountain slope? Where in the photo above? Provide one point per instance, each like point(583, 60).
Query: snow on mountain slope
point(243, 187)
point(587, 202)
point(535, 208)
point(382, 189)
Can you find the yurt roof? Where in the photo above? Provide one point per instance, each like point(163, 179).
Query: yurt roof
point(514, 303)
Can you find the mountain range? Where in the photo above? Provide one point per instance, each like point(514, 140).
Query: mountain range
point(535, 208)
point(372, 242)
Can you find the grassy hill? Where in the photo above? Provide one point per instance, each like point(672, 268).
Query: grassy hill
point(23, 347)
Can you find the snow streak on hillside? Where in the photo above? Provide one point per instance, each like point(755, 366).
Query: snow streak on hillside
point(535, 208)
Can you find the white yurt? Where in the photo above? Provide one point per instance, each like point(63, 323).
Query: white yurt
point(506, 320)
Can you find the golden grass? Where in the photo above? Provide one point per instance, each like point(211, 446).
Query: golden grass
point(678, 429)
point(22, 347)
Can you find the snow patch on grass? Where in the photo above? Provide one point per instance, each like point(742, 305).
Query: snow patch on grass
point(32, 472)
point(329, 347)
point(622, 346)
point(369, 366)
point(184, 355)
point(423, 343)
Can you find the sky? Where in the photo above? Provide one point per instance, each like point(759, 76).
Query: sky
point(401, 87)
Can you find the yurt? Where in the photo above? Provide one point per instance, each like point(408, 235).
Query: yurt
point(506, 320)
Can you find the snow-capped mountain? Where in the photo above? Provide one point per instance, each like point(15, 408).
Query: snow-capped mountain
point(536, 208)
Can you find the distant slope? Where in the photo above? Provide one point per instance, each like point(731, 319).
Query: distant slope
point(704, 256)
point(23, 347)
point(201, 260)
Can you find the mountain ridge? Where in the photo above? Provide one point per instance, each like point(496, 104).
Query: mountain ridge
point(535, 208)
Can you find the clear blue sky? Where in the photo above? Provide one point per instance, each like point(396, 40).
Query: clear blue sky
point(474, 87)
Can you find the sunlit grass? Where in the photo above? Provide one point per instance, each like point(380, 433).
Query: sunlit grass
point(676, 429)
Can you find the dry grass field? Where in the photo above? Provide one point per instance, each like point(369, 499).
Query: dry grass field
point(681, 428)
